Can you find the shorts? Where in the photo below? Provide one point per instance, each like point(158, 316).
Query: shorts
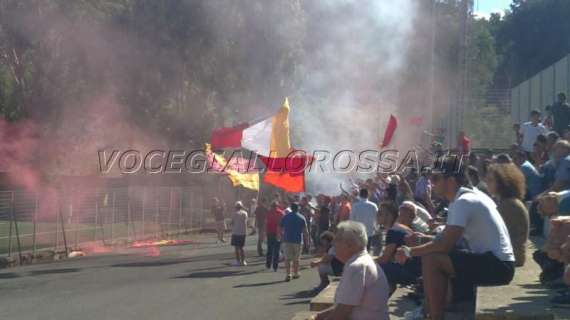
point(292, 251)
point(238, 240)
point(220, 225)
point(478, 269)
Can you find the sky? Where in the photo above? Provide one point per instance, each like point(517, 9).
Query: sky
point(485, 7)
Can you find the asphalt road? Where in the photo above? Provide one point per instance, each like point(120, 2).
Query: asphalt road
point(192, 281)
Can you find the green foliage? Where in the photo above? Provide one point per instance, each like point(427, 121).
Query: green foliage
point(482, 59)
point(489, 127)
point(532, 36)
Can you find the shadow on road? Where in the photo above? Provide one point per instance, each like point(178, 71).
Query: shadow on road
point(165, 261)
point(262, 284)
point(297, 302)
point(255, 264)
point(9, 275)
point(215, 274)
point(299, 295)
point(208, 268)
point(159, 263)
point(52, 271)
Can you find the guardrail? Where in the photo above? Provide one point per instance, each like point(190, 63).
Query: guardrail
point(31, 221)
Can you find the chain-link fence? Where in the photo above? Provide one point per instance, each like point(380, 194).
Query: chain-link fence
point(67, 219)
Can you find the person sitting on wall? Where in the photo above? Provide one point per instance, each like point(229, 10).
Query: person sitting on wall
point(398, 230)
point(328, 264)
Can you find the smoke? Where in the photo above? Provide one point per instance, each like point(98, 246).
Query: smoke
point(17, 146)
point(342, 63)
point(80, 73)
point(354, 63)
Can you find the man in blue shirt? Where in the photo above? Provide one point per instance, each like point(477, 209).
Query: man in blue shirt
point(547, 172)
point(562, 158)
point(535, 185)
point(294, 227)
point(532, 176)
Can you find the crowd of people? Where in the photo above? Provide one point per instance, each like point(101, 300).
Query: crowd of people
point(460, 222)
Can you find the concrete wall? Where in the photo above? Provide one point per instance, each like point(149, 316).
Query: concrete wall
point(540, 90)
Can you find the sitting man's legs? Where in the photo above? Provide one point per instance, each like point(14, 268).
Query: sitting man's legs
point(551, 269)
point(465, 270)
point(398, 274)
point(437, 270)
point(325, 270)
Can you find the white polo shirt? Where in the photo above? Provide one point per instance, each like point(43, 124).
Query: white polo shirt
point(530, 133)
point(363, 285)
point(484, 228)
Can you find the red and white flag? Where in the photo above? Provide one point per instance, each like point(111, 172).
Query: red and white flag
point(270, 139)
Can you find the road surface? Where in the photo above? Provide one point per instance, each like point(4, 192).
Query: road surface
point(184, 282)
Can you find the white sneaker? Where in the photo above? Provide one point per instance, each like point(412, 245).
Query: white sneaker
point(244, 263)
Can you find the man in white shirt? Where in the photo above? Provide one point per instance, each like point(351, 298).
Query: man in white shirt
point(239, 230)
point(365, 212)
point(362, 293)
point(530, 130)
point(472, 216)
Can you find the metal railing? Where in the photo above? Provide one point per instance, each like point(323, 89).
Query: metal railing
point(32, 221)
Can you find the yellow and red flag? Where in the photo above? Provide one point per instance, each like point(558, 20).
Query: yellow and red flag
point(270, 139)
point(237, 169)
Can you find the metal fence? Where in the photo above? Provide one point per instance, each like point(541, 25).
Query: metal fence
point(68, 219)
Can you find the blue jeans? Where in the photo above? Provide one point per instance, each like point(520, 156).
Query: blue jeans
point(406, 274)
point(273, 247)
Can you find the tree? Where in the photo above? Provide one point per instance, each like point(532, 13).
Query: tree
point(482, 59)
point(532, 36)
point(100, 73)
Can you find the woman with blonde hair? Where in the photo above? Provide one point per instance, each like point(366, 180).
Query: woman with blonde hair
point(506, 182)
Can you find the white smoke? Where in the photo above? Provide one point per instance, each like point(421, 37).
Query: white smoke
point(350, 82)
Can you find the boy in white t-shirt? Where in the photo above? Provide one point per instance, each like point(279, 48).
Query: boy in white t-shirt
point(530, 130)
